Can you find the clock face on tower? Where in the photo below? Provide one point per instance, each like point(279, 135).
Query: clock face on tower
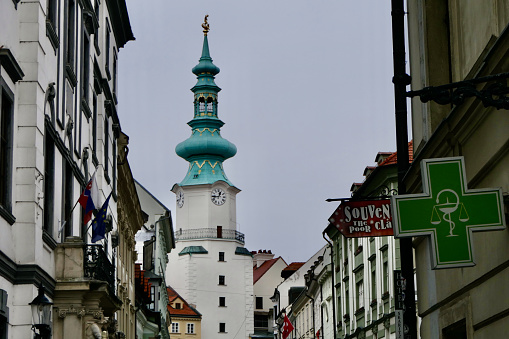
point(180, 198)
point(218, 196)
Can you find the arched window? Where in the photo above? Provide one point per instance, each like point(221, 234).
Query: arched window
point(201, 105)
point(210, 108)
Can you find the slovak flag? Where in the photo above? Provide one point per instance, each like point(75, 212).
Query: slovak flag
point(287, 327)
point(87, 198)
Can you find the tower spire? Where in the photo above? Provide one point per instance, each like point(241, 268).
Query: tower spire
point(205, 149)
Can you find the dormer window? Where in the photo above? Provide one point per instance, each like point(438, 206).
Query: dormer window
point(177, 306)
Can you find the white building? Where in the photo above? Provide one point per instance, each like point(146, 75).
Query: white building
point(59, 124)
point(287, 292)
point(210, 268)
point(153, 243)
point(266, 276)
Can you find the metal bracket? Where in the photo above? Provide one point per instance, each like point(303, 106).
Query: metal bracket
point(495, 95)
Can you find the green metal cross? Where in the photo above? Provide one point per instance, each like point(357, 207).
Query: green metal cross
point(447, 211)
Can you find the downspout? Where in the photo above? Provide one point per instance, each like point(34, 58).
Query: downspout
point(313, 308)
point(321, 311)
point(333, 284)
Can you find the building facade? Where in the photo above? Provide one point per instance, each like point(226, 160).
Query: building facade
point(210, 268)
point(266, 276)
point(154, 242)
point(59, 125)
point(185, 319)
point(449, 42)
point(364, 279)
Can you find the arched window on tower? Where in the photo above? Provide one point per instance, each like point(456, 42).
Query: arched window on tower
point(201, 105)
point(210, 108)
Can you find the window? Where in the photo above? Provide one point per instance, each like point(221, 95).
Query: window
point(373, 280)
point(7, 110)
point(107, 48)
point(221, 256)
point(201, 105)
point(360, 294)
point(49, 181)
point(222, 301)
point(261, 321)
point(347, 301)
point(457, 330)
point(4, 314)
point(94, 127)
point(177, 306)
point(67, 198)
point(51, 16)
point(385, 277)
point(106, 148)
point(96, 35)
point(51, 23)
point(70, 30)
point(221, 280)
point(152, 304)
point(85, 67)
point(114, 74)
point(222, 327)
point(174, 327)
point(259, 303)
point(190, 328)
point(219, 232)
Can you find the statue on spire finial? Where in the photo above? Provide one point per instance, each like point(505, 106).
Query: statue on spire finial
point(205, 25)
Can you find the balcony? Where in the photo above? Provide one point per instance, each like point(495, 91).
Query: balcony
point(97, 266)
point(209, 233)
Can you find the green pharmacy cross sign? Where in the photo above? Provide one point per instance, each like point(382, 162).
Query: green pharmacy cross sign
point(447, 211)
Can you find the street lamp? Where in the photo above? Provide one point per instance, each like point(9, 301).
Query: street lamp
point(41, 315)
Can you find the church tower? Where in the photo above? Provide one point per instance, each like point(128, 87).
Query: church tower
point(210, 267)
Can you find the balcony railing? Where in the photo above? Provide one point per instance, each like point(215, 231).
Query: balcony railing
point(209, 233)
point(98, 267)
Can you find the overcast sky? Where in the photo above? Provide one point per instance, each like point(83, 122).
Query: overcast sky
point(306, 97)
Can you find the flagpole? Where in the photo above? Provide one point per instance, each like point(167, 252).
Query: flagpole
point(60, 231)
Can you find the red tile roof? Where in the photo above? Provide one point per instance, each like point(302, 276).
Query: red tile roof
point(258, 272)
point(294, 266)
point(185, 310)
point(393, 158)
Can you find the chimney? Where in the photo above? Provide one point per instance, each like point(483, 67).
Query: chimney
point(262, 256)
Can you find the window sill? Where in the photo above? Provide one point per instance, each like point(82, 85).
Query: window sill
point(48, 240)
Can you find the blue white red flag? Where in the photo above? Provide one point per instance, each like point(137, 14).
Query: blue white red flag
point(88, 199)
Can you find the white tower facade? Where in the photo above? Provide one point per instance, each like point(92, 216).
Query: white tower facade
point(210, 267)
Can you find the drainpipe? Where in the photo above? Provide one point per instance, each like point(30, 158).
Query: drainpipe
point(313, 308)
point(321, 311)
point(333, 285)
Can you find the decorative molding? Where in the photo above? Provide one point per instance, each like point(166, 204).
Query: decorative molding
point(25, 274)
point(52, 35)
point(79, 311)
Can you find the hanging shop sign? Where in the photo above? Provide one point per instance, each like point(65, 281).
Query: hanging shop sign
point(365, 218)
point(448, 212)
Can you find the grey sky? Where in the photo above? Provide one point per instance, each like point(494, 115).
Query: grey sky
point(306, 97)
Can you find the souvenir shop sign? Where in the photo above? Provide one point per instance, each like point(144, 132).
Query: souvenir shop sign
point(355, 219)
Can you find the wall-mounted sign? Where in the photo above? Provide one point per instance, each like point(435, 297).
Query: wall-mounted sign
point(399, 303)
point(356, 219)
point(448, 212)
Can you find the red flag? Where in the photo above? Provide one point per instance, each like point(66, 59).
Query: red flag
point(318, 334)
point(287, 327)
